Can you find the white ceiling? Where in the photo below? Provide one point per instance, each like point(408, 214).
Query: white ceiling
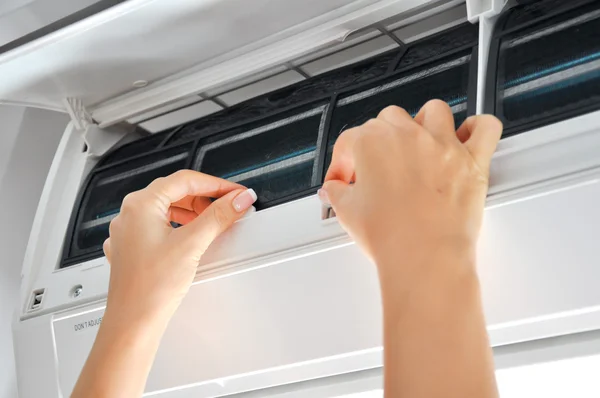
point(20, 17)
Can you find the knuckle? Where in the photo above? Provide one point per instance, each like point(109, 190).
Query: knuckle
point(448, 155)
point(221, 217)
point(373, 125)
point(345, 140)
point(156, 181)
point(338, 147)
point(130, 201)
point(364, 140)
point(113, 226)
point(451, 160)
point(182, 173)
point(393, 112)
point(373, 130)
point(106, 246)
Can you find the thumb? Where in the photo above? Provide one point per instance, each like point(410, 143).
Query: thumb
point(337, 194)
point(197, 236)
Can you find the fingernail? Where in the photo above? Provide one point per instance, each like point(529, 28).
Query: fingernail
point(249, 212)
point(323, 196)
point(245, 200)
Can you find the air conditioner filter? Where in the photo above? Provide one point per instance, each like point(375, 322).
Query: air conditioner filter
point(549, 70)
point(102, 199)
point(280, 143)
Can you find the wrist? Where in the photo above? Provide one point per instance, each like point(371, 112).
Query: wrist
point(132, 329)
point(423, 271)
point(435, 300)
point(139, 314)
point(404, 255)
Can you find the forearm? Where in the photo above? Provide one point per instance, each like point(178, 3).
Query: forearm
point(121, 357)
point(435, 340)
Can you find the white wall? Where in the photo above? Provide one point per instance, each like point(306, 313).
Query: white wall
point(28, 140)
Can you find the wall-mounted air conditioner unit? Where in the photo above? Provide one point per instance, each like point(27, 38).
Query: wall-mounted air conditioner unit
point(259, 96)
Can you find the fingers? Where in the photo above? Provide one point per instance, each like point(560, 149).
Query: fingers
point(437, 118)
point(481, 135)
point(184, 183)
point(395, 116)
point(182, 216)
point(342, 161)
point(196, 204)
point(338, 194)
point(196, 236)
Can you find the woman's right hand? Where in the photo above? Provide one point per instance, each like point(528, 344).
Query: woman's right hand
point(404, 186)
point(411, 192)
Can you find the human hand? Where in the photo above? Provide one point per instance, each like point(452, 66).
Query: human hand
point(152, 264)
point(419, 186)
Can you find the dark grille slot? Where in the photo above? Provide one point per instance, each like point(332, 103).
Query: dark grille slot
point(549, 71)
point(275, 157)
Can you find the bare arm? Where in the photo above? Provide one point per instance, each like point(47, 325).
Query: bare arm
point(152, 269)
point(412, 193)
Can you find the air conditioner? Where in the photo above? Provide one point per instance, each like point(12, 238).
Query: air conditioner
point(258, 94)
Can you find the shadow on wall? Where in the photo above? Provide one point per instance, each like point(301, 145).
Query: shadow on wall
point(28, 141)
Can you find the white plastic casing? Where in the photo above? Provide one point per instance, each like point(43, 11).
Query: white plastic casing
point(285, 297)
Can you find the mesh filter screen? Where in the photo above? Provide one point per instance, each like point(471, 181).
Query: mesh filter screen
point(281, 182)
point(302, 92)
point(538, 9)
point(330, 82)
point(550, 69)
point(107, 189)
point(432, 47)
point(275, 157)
point(447, 80)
